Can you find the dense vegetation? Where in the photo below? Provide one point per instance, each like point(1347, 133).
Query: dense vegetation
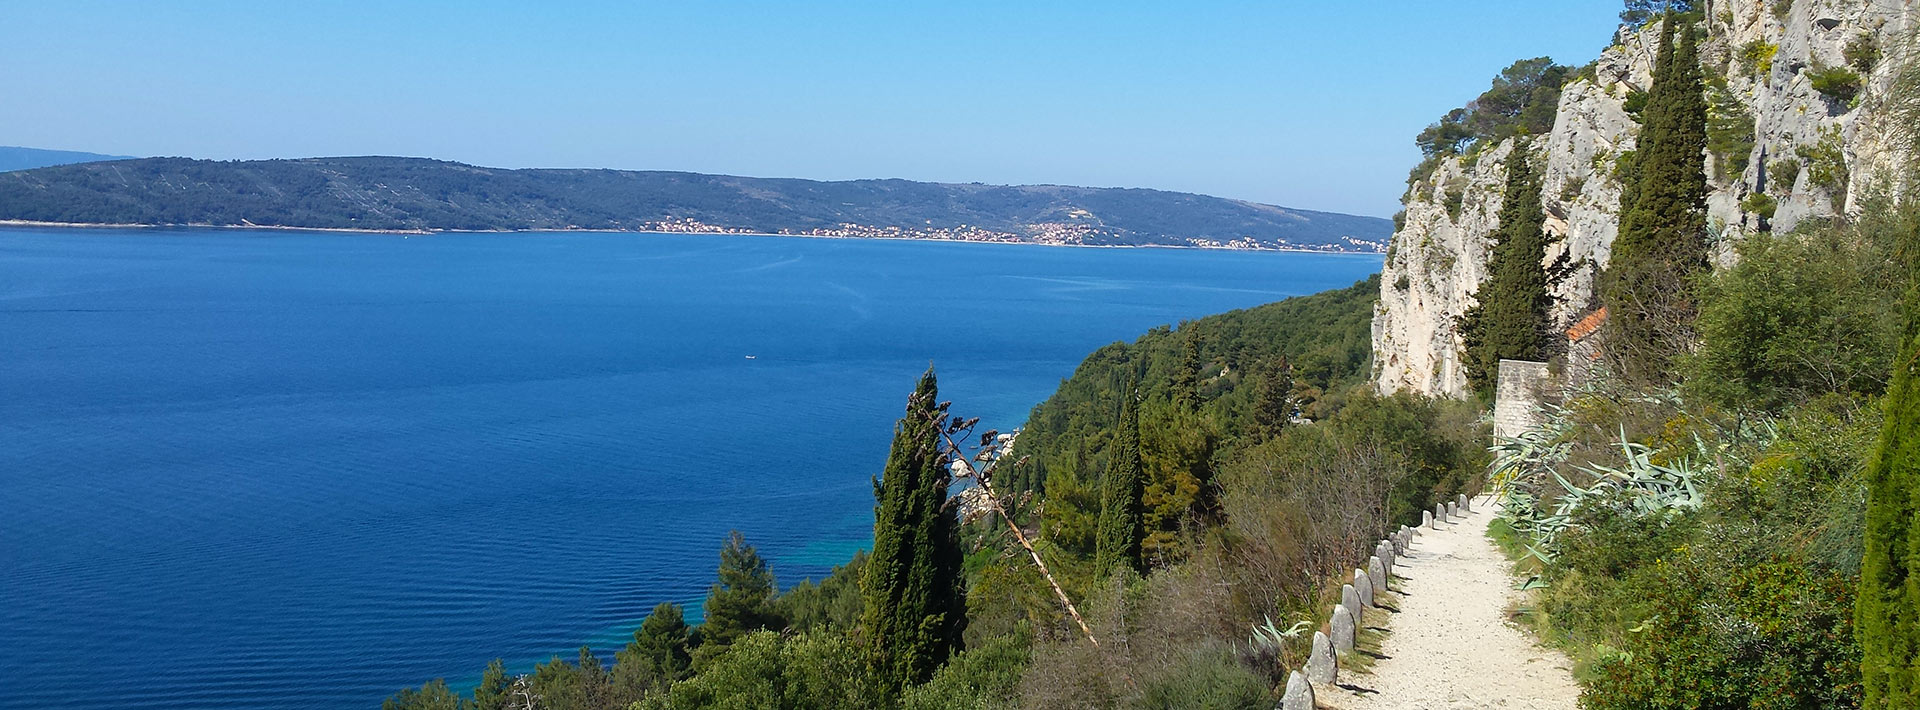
point(412, 193)
point(1702, 538)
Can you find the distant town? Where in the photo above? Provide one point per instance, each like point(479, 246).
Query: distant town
point(1048, 233)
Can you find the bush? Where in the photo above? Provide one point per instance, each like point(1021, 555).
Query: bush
point(1756, 57)
point(1759, 203)
point(1729, 131)
point(1726, 635)
point(1862, 52)
point(1837, 83)
point(982, 678)
point(819, 670)
point(1209, 679)
point(1781, 176)
point(1826, 163)
point(1798, 315)
point(1455, 198)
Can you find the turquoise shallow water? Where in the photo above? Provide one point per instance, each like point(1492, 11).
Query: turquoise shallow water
point(248, 469)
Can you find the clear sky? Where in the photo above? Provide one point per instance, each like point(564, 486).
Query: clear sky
point(1310, 105)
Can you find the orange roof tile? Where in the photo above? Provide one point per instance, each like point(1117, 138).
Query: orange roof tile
point(1587, 325)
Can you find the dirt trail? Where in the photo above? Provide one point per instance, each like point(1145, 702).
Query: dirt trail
point(1451, 646)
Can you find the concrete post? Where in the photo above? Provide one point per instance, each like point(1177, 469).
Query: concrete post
point(1299, 693)
point(1363, 586)
point(1350, 598)
point(1321, 667)
point(1377, 571)
point(1343, 629)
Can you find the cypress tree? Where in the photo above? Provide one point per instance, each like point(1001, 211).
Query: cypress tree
point(1122, 525)
point(912, 585)
point(1887, 610)
point(1662, 245)
point(1509, 317)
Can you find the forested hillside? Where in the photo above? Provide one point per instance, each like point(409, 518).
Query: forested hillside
point(1256, 464)
point(417, 194)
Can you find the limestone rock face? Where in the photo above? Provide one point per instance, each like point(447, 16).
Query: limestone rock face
point(1438, 257)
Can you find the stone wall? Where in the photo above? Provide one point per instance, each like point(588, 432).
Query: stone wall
point(1516, 405)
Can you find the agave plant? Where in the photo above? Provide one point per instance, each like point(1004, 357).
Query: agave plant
point(1268, 636)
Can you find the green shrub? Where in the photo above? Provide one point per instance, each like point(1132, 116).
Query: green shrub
point(1756, 57)
point(1635, 102)
point(1455, 198)
point(1862, 52)
point(1729, 131)
point(1571, 190)
point(1796, 316)
point(1759, 203)
point(1207, 679)
point(1781, 175)
point(1837, 83)
point(1826, 164)
point(982, 678)
point(1727, 635)
point(812, 671)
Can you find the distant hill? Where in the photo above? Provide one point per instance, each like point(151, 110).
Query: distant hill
point(17, 158)
point(417, 194)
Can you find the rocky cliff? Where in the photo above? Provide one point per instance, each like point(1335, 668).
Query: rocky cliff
point(1811, 153)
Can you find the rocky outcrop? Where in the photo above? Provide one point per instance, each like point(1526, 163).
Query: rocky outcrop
point(1814, 154)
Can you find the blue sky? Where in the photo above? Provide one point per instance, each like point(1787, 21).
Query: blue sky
point(1310, 105)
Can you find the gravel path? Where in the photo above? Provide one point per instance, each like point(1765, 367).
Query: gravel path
point(1451, 646)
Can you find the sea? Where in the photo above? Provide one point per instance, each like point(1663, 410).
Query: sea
point(252, 468)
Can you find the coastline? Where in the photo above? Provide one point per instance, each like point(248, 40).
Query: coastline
point(342, 230)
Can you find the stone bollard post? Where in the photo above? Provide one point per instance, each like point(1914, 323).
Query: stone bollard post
point(1321, 667)
point(1350, 598)
point(1299, 693)
point(1377, 571)
point(1343, 629)
point(1466, 504)
point(1427, 521)
point(1453, 510)
point(1384, 553)
point(1440, 512)
point(1363, 586)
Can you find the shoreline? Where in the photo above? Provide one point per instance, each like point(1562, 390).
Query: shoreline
point(410, 232)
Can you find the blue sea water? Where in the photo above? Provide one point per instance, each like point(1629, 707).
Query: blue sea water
point(252, 469)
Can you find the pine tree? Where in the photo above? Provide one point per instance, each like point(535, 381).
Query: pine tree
point(1662, 245)
point(657, 656)
point(742, 601)
point(492, 692)
point(1887, 610)
point(915, 601)
point(1509, 319)
point(1122, 527)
